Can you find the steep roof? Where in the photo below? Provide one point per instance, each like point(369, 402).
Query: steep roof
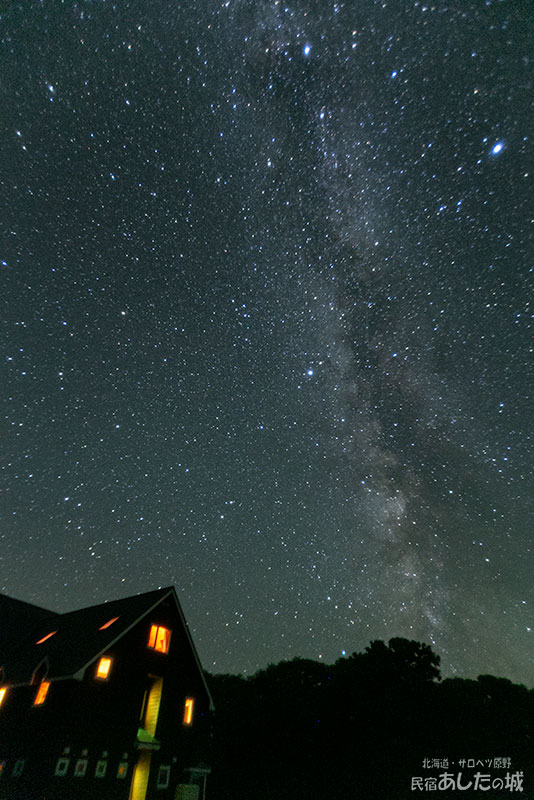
point(77, 640)
point(16, 617)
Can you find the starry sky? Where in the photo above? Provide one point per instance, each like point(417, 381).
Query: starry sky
point(266, 286)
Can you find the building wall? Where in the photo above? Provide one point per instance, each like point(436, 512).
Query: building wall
point(93, 724)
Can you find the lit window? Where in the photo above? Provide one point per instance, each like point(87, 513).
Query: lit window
point(48, 635)
point(188, 710)
point(3, 691)
point(122, 769)
point(108, 623)
point(103, 668)
point(42, 691)
point(159, 638)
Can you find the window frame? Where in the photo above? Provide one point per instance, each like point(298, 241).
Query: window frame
point(159, 638)
point(80, 767)
point(101, 768)
point(164, 776)
point(122, 770)
point(62, 766)
point(18, 767)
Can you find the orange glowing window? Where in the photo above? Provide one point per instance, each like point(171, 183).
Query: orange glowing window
point(42, 691)
point(103, 668)
point(3, 691)
point(188, 710)
point(159, 638)
point(48, 635)
point(108, 623)
point(122, 769)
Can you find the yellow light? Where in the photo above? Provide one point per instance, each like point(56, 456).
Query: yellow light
point(152, 635)
point(42, 691)
point(140, 777)
point(48, 635)
point(152, 706)
point(103, 668)
point(162, 640)
point(188, 710)
point(3, 691)
point(108, 623)
point(159, 638)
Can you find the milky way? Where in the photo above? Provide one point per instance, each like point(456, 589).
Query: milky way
point(267, 321)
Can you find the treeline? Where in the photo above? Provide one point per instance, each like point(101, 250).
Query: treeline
point(366, 726)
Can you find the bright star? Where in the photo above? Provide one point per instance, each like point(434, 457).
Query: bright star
point(307, 49)
point(497, 148)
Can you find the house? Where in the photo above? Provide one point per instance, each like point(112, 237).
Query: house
point(106, 702)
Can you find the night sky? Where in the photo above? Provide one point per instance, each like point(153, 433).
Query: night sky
point(266, 320)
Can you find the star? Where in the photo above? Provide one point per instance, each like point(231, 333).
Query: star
point(296, 276)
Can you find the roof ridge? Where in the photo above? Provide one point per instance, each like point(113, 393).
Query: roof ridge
point(10, 598)
point(154, 592)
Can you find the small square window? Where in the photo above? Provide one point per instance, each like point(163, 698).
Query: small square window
point(80, 768)
point(164, 777)
point(100, 769)
point(62, 767)
point(159, 638)
point(122, 769)
point(18, 769)
point(103, 668)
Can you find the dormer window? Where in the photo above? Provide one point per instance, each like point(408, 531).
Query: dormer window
point(40, 672)
point(42, 692)
point(159, 638)
point(108, 623)
point(48, 635)
point(103, 668)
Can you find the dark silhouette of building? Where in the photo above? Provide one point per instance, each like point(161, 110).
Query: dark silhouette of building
point(107, 702)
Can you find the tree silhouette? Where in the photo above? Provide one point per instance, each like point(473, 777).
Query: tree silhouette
point(359, 727)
